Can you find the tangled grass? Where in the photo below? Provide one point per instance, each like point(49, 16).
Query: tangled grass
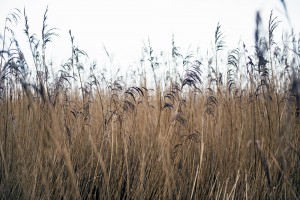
point(217, 131)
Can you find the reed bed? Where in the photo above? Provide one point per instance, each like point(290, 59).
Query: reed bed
point(219, 130)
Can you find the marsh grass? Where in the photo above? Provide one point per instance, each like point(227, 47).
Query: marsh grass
point(234, 136)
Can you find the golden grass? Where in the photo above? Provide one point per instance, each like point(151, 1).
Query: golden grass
point(238, 138)
point(149, 152)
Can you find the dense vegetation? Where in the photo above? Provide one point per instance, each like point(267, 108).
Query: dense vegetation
point(186, 128)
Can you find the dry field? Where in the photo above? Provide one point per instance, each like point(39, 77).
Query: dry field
point(220, 130)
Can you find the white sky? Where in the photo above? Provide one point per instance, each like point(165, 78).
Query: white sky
point(123, 25)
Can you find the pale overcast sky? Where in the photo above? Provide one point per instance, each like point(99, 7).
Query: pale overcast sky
point(123, 25)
